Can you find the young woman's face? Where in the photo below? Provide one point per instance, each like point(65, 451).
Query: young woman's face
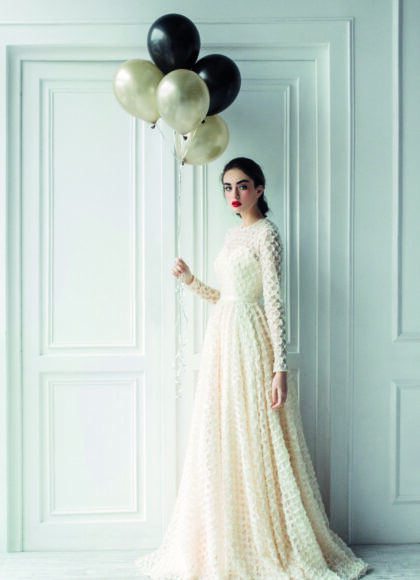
point(240, 191)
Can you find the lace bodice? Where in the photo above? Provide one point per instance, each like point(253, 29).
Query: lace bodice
point(249, 268)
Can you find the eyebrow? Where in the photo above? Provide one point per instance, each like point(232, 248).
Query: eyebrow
point(238, 182)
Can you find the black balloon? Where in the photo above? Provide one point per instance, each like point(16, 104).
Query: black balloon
point(223, 80)
point(173, 42)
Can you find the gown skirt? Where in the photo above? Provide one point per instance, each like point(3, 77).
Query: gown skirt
point(248, 505)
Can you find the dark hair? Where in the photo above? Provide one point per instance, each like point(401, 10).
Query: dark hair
point(252, 170)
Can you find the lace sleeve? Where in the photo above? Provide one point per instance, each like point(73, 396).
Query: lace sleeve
point(203, 290)
point(271, 253)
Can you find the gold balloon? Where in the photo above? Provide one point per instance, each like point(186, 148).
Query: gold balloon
point(135, 86)
point(183, 100)
point(205, 143)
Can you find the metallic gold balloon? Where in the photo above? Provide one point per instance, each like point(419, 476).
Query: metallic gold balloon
point(205, 143)
point(135, 86)
point(183, 100)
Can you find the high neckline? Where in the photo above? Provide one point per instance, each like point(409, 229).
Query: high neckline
point(253, 224)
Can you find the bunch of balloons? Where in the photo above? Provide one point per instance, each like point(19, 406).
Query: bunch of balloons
point(187, 94)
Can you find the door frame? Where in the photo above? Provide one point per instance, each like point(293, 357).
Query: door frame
point(335, 243)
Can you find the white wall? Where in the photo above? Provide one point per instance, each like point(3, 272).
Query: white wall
point(368, 380)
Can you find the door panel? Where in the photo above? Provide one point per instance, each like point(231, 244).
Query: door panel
point(91, 313)
point(386, 460)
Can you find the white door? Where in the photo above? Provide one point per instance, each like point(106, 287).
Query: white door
point(92, 314)
point(94, 215)
point(385, 419)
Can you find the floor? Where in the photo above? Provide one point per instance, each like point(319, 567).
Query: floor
point(397, 562)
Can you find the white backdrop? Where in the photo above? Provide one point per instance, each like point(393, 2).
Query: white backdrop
point(92, 436)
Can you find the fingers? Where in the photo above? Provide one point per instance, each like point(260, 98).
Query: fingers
point(179, 268)
point(279, 390)
point(276, 398)
point(273, 398)
point(279, 398)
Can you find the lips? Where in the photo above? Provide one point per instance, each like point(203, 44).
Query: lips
point(236, 203)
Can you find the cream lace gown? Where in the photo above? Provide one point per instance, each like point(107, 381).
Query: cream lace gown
point(248, 505)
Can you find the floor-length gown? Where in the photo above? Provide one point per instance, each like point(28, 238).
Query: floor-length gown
point(248, 505)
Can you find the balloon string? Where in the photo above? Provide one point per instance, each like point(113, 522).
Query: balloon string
point(165, 140)
point(181, 318)
point(181, 315)
point(187, 142)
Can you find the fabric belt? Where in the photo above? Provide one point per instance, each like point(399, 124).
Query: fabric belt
point(237, 299)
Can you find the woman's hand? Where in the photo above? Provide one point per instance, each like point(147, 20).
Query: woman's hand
point(279, 390)
point(181, 269)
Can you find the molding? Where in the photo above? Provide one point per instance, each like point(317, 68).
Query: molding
point(48, 89)
point(396, 186)
point(13, 354)
point(139, 192)
point(210, 22)
point(351, 277)
point(31, 37)
point(4, 313)
point(397, 387)
point(398, 334)
point(341, 380)
point(200, 241)
point(287, 113)
point(323, 269)
point(48, 510)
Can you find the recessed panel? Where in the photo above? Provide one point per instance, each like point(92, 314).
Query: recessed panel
point(90, 228)
point(91, 446)
point(407, 437)
point(410, 171)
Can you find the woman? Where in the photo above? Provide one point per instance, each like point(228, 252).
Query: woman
point(248, 505)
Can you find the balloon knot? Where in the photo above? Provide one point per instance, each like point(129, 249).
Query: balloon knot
point(153, 126)
point(203, 121)
point(184, 137)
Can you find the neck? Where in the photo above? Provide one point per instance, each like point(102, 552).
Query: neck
point(249, 218)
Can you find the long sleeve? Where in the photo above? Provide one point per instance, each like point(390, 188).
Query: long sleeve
point(271, 255)
point(203, 290)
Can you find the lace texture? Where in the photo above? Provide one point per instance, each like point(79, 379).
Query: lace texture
point(249, 267)
point(204, 290)
point(248, 504)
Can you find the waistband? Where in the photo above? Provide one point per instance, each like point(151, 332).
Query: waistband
point(233, 298)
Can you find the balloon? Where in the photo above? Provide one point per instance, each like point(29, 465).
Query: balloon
point(173, 42)
point(135, 86)
point(205, 143)
point(222, 78)
point(183, 100)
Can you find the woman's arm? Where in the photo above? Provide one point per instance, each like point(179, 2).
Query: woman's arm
point(204, 290)
point(271, 254)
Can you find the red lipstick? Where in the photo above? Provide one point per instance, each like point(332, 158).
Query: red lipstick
point(236, 203)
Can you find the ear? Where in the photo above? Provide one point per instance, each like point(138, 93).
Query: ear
point(260, 190)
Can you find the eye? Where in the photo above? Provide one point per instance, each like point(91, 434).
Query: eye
point(227, 187)
point(243, 187)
